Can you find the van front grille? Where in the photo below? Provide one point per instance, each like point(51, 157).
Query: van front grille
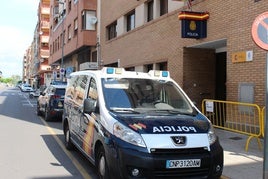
point(191, 151)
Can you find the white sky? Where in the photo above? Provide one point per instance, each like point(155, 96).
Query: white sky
point(18, 19)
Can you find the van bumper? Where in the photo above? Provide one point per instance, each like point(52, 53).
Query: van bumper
point(125, 161)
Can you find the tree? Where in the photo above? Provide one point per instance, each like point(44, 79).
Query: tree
point(14, 79)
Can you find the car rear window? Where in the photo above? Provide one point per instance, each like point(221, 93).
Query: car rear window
point(60, 92)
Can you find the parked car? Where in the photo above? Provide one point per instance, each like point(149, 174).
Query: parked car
point(26, 88)
point(35, 93)
point(58, 82)
point(50, 102)
point(19, 84)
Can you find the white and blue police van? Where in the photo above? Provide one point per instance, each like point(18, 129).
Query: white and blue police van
point(138, 125)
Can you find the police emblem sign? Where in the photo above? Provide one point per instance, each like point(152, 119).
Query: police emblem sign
point(193, 24)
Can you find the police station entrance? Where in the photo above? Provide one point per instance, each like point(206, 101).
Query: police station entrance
point(204, 71)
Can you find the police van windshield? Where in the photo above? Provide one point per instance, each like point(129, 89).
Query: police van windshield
point(142, 95)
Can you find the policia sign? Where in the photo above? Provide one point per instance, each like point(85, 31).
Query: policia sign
point(193, 24)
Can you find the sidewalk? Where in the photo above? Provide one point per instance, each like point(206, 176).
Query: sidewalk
point(3, 86)
point(239, 164)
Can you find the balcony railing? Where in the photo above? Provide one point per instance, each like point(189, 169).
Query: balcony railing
point(45, 10)
point(45, 24)
point(44, 53)
point(44, 39)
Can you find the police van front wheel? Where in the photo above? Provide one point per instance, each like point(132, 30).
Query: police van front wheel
point(102, 164)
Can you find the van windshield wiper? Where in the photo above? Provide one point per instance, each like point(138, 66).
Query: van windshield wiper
point(124, 110)
point(173, 111)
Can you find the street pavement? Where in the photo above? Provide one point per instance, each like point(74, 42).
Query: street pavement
point(239, 163)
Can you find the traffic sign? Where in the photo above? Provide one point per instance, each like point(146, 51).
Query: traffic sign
point(259, 30)
point(62, 71)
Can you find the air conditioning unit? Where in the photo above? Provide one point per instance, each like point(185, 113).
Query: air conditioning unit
point(56, 10)
point(93, 20)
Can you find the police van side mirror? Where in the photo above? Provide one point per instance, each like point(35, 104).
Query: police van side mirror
point(90, 105)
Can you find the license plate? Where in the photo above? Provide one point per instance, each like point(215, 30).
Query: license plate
point(188, 163)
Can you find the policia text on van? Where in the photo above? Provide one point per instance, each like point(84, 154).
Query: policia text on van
point(138, 125)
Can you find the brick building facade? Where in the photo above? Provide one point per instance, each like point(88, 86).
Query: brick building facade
point(204, 67)
point(73, 36)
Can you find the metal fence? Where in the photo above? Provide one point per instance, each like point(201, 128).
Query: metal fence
point(244, 118)
point(263, 119)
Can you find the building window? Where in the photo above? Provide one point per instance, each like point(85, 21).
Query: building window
point(69, 6)
point(163, 7)
point(163, 66)
point(63, 35)
point(94, 56)
point(75, 27)
point(58, 43)
point(62, 9)
point(61, 40)
point(53, 47)
point(150, 10)
point(51, 51)
point(130, 69)
point(130, 21)
point(89, 20)
point(44, 44)
point(148, 67)
point(69, 32)
point(111, 30)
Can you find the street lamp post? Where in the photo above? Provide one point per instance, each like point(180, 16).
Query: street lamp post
point(62, 50)
point(62, 43)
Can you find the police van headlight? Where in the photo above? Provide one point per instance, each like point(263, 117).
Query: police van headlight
point(128, 135)
point(211, 135)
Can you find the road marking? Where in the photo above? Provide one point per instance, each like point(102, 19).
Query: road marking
point(28, 102)
point(225, 177)
point(79, 167)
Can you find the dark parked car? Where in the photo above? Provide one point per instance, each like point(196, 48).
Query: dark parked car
point(50, 102)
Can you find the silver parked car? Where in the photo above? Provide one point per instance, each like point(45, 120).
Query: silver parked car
point(26, 88)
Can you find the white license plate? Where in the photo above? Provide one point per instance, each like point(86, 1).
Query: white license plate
point(188, 163)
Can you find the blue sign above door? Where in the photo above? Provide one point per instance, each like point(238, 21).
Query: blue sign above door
point(193, 24)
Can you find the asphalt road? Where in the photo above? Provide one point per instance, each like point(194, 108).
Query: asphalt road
point(32, 148)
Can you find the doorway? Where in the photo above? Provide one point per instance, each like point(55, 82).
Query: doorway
point(220, 90)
